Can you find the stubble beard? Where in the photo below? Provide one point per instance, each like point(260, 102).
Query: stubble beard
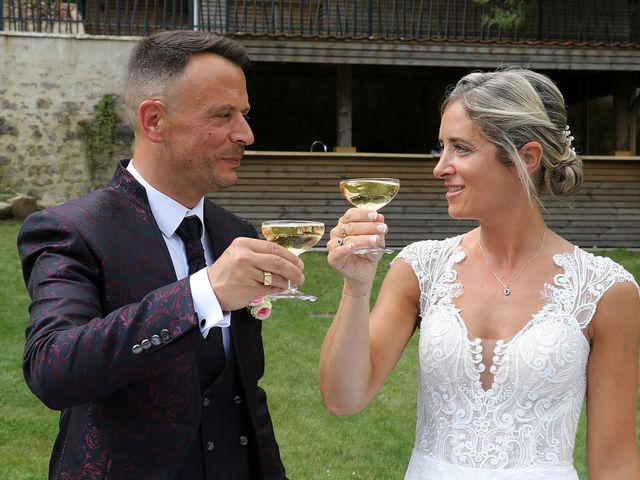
point(216, 181)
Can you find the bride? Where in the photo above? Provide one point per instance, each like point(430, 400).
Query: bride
point(517, 326)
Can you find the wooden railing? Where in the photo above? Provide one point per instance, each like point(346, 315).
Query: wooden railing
point(304, 186)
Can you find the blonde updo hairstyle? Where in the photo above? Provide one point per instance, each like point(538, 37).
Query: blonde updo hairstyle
point(515, 106)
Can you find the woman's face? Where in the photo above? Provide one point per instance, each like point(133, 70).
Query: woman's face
point(478, 184)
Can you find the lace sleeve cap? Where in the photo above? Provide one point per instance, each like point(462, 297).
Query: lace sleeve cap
point(426, 257)
point(409, 254)
point(585, 280)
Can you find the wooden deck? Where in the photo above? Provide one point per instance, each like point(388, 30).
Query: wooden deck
point(304, 186)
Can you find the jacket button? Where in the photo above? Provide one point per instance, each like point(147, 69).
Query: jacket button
point(206, 402)
point(243, 440)
point(237, 399)
point(155, 339)
point(146, 344)
point(210, 446)
point(137, 349)
point(165, 335)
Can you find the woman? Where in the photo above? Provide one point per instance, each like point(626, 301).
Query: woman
point(517, 325)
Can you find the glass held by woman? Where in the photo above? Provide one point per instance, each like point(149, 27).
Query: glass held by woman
point(512, 318)
point(370, 194)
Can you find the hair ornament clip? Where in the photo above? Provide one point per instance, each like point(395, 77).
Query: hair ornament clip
point(568, 139)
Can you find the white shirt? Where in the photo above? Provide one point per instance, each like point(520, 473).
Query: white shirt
point(168, 215)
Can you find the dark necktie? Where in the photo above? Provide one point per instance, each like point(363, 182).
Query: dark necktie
point(211, 358)
point(190, 231)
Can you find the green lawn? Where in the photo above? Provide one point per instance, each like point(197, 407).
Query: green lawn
point(374, 444)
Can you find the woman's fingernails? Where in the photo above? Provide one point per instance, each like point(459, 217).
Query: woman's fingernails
point(373, 239)
point(372, 215)
point(381, 228)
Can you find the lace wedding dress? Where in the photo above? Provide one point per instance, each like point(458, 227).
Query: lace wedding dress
point(523, 427)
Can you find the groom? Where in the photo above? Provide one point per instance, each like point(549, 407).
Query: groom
point(139, 332)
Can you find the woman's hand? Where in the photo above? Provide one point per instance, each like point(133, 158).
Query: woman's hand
point(357, 228)
point(361, 348)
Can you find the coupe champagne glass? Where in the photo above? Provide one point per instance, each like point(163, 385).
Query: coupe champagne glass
point(372, 194)
point(297, 236)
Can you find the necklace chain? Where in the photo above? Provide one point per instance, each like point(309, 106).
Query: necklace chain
point(507, 286)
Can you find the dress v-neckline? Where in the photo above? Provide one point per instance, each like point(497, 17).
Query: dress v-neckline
point(475, 345)
point(459, 255)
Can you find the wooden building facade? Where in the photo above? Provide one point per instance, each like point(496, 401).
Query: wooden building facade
point(590, 47)
point(367, 76)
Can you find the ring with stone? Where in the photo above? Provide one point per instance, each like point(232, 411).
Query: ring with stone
point(340, 241)
point(266, 279)
point(341, 230)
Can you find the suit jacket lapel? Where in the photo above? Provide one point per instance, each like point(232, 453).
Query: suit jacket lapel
point(219, 236)
point(129, 187)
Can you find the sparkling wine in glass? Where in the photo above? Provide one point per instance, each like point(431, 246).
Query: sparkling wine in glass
point(372, 194)
point(297, 236)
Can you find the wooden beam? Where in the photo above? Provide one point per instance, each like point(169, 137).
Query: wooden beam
point(621, 106)
point(344, 121)
point(632, 118)
point(441, 54)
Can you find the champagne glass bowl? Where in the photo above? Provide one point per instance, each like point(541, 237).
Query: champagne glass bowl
point(297, 236)
point(370, 194)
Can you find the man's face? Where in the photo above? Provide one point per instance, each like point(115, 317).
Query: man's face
point(205, 126)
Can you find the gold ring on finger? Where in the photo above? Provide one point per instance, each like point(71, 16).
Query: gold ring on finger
point(267, 279)
point(341, 230)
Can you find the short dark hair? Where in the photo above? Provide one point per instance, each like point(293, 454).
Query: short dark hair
point(156, 60)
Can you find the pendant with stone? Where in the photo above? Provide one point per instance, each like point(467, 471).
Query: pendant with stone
point(507, 291)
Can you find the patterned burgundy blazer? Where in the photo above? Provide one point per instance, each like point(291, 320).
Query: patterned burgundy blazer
point(101, 280)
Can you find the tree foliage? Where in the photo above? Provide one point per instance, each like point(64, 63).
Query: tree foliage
point(512, 14)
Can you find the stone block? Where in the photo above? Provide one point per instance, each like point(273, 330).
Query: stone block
point(6, 128)
point(123, 134)
point(23, 205)
point(6, 210)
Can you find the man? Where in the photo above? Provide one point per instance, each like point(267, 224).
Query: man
point(150, 355)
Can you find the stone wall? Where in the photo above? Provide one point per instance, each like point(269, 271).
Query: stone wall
point(48, 85)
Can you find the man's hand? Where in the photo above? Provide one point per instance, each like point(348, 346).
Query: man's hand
point(237, 276)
